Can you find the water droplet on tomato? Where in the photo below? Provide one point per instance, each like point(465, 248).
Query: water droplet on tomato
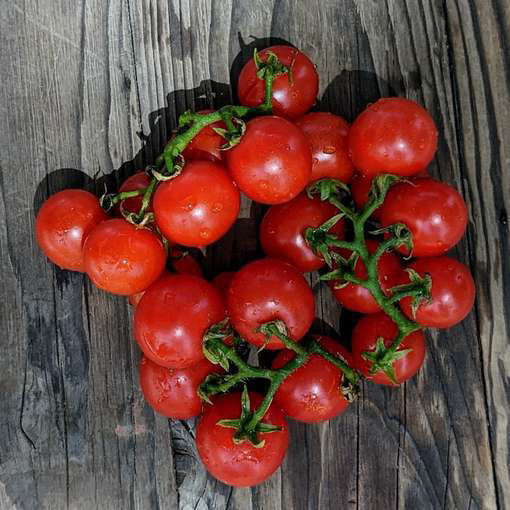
point(205, 233)
point(217, 207)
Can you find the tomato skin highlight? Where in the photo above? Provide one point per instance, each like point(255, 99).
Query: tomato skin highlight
point(197, 207)
point(207, 144)
point(139, 180)
point(62, 224)
point(172, 317)
point(282, 230)
point(268, 290)
point(239, 465)
point(364, 336)
point(173, 392)
point(312, 394)
point(327, 134)
point(453, 292)
point(121, 258)
point(291, 97)
point(272, 163)
point(357, 298)
point(434, 212)
point(394, 135)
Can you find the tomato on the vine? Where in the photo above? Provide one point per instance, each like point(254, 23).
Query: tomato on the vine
point(452, 292)
point(269, 290)
point(240, 464)
point(434, 212)
point(172, 392)
point(327, 135)
point(282, 228)
point(272, 163)
point(360, 191)
point(312, 393)
point(63, 223)
point(207, 144)
point(139, 180)
point(197, 207)
point(121, 258)
point(172, 317)
point(294, 93)
point(358, 298)
point(365, 335)
point(394, 136)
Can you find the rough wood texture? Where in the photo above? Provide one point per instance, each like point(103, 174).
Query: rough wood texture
point(97, 86)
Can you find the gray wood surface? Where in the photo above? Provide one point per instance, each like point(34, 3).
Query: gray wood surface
point(93, 88)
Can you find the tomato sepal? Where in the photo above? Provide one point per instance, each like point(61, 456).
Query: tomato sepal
point(271, 65)
point(419, 288)
point(400, 234)
point(218, 331)
point(326, 188)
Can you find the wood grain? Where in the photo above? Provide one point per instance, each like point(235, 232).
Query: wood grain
point(94, 88)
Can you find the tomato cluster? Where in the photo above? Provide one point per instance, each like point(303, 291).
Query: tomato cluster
point(192, 331)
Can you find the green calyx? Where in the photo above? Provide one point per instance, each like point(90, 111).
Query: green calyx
point(270, 67)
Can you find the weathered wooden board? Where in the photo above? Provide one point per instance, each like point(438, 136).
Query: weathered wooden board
point(93, 88)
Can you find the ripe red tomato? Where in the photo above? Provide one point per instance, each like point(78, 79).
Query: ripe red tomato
point(172, 392)
point(281, 230)
point(434, 212)
point(272, 163)
point(184, 264)
point(121, 258)
point(357, 298)
point(197, 207)
point(394, 135)
point(293, 94)
point(206, 145)
point(453, 292)
point(364, 337)
point(312, 393)
point(360, 189)
point(327, 135)
point(222, 281)
point(63, 223)
point(268, 290)
point(241, 464)
point(172, 317)
point(137, 181)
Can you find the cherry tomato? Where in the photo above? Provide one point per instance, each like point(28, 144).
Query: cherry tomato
point(268, 290)
point(452, 293)
point(434, 212)
point(272, 163)
point(394, 135)
point(184, 263)
point(137, 181)
point(197, 207)
point(239, 464)
point(121, 258)
point(222, 281)
point(172, 317)
point(281, 230)
point(312, 393)
point(172, 392)
point(327, 135)
point(360, 189)
point(364, 338)
point(63, 223)
point(357, 298)
point(293, 94)
point(206, 145)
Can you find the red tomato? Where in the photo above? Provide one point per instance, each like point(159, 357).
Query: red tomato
point(357, 298)
point(121, 258)
point(172, 392)
point(434, 212)
point(327, 135)
point(222, 281)
point(453, 292)
point(281, 230)
point(134, 299)
point(172, 317)
point(137, 181)
point(272, 163)
point(293, 94)
point(63, 223)
point(241, 464)
point(312, 393)
point(360, 189)
point(364, 337)
point(206, 145)
point(184, 264)
point(268, 290)
point(197, 207)
point(394, 135)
